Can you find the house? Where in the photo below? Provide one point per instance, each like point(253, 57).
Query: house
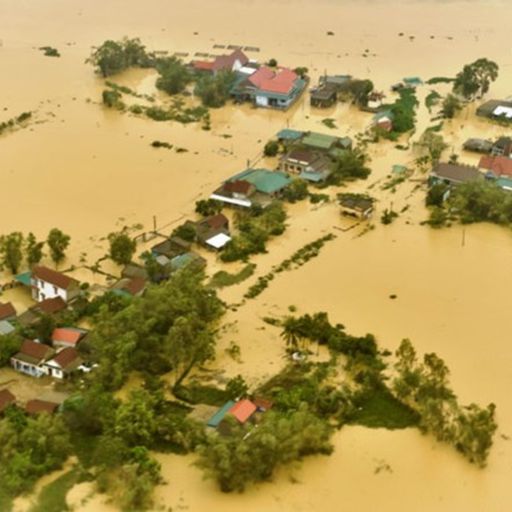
point(134, 270)
point(35, 407)
point(478, 145)
point(215, 420)
point(505, 184)
point(309, 165)
point(383, 123)
point(496, 109)
point(6, 399)
point(262, 404)
point(68, 336)
point(502, 147)
point(270, 87)
point(64, 363)
point(496, 166)
point(132, 287)
point(243, 410)
point(325, 143)
point(375, 101)
point(173, 246)
point(288, 135)
point(213, 231)
point(454, 174)
point(324, 96)
point(252, 186)
point(48, 284)
point(51, 306)
point(235, 61)
point(6, 327)
point(341, 82)
point(32, 357)
point(189, 259)
point(356, 205)
point(7, 311)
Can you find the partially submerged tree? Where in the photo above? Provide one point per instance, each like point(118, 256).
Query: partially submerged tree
point(122, 248)
point(33, 249)
point(476, 78)
point(174, 75)
point(57, 242)
point(11, 251)
point(451, 106)
point(214, 90)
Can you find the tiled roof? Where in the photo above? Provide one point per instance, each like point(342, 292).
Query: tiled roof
point(66, 357)
point(66, 335)
point(243, 410)
point(34, 350)
point(499, 165)
point(39, 406)
point(53, 277)
point(6, 399)
point(280, 81)
point(456, 173)
point(51, 306)
point(7, 310)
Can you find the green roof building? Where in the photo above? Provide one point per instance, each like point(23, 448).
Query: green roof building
point(220, 414)
point(265, 181)
point(319, 141)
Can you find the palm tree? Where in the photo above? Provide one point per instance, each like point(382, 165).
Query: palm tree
point(289, 333)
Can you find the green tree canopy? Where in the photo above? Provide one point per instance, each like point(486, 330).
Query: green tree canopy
point(11, 251)
point(122, 248)
point(174, 75)
point(476, 78)
point(57, 242)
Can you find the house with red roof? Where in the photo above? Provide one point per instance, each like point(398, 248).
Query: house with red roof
point(242, 410)
point(271, 87)
point(7, 311)
point(233, 62)
point(64, 363)
point(6, 399)
point(497, 166)
point(48, 284)
point(67, 336)
point(32, 357)
point(35, 407)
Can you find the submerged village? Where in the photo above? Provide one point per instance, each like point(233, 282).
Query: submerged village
point(98, 378)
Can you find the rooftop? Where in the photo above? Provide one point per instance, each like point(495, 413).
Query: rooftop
point(40, 406)
point(7, 311)
point(33, 352)
point(280, 80)
point(219, 415)
point(67, 335)
point(319, 140)
point(265, 181)
point(53, 277)
point(499, 165)
point(243, 410)
point(66, 358)
point(6, 399)
point(456, 173)
point(288, 134)
point(51, 306)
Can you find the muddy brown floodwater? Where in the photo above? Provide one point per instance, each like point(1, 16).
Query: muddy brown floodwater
point(90, 171)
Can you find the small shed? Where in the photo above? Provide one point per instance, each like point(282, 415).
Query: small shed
point(243, 410)
point(356, 205)
point(289, 135)
point(215, 420)
point(6, 399)
point(324, 96)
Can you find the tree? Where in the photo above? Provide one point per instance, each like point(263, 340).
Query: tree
point(188, 344)
point(214, 90)
point(57, 242)
point(237, 388)
point(11, 251)
point(451, 105)
point(33, 250)
point(135, 420)
point(272, 63)
point(122, 248)
point(433, 144)
point(350, 165)
point(174, 75)
point(290, 333)
point(112, 57)
point(9, 345)
point(475, 78)
point(207, 207)
point(271, 148)
point(360, 90)
point(297, 190)
point(238, 460)
point(112, 99)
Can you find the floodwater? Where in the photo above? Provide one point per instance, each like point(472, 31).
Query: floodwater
point(90, 171)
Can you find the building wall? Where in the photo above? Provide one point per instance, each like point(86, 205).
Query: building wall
point(46, 290)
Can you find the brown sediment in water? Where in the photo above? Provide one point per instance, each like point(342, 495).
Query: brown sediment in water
point(91, 171)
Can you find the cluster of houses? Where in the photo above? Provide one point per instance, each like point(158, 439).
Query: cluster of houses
point(47, 403)
point(495, 164)
point(265, 86)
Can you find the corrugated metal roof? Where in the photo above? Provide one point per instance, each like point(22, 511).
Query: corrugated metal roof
point(265, 181)
point(243, 410)
point(319, 140)
point(24, 278)
point(219, 415)
point(289, 134)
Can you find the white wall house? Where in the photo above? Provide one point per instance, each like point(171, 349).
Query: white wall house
point(48, 284)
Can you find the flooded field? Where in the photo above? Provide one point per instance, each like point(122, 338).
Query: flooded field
point(90, 171)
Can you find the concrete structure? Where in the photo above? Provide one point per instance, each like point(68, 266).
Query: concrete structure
point(64, 363)
point(454, 174)
point(68, 336)
point(355, 205)
point(32, 357)
point(48, 284)
point(236, 61)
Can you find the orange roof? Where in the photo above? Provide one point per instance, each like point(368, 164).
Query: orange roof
point(280, 81)
point(499, 165)
point(7, 310)
point(243, 410)
point(64, 335)
point(203, 65)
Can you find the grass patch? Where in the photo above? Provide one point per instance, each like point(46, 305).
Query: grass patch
point(52, 497)
point(83, 447)
point(222, 278)
point(329, 122)
point(440, 80)
point(5, 501)
point(380, 409)
point(432, 99)
point(197, 394)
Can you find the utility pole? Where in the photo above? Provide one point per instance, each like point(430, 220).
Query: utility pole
point(154, 223)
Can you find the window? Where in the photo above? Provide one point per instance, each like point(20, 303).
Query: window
point(55, 290)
